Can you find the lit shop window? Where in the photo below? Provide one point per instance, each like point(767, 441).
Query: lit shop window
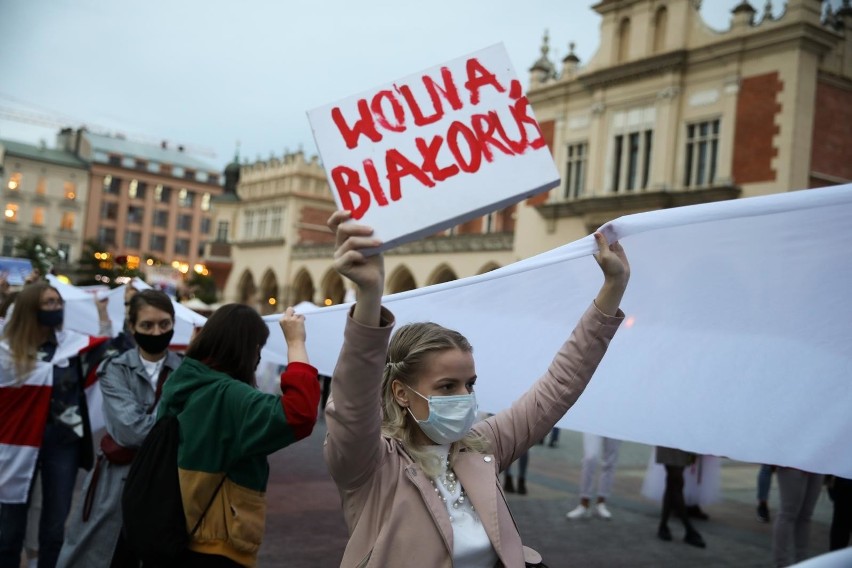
point(15, 181)
point(11, 212)
point(38, 216)
point(67, 222)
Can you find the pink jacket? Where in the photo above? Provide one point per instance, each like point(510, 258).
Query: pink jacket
point(394, 515)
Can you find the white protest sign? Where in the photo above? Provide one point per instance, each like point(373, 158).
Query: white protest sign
point(434, 149)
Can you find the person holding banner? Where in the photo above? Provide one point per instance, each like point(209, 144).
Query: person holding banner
point(228, 428)
point(131, 383)
point(418, 479)
point(45, 428)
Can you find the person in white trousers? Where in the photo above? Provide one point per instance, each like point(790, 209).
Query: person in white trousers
point(597, 450)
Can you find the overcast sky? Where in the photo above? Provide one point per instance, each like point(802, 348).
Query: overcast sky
point(209, 73)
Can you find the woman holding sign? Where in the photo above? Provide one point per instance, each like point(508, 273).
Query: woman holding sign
point(417, 478)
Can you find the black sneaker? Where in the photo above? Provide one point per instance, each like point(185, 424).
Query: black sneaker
point(695, 512)
point(693, 538)
point(763, 513)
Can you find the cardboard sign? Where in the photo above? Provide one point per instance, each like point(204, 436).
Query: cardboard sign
point(434, 149)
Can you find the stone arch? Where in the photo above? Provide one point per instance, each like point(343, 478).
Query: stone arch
point(246, 289)
point(303, 288)
point(661, 20)
point(333, 288)
point(442, 274)
point(623, 41)
point(268, 298)
point(401, 280)
point(488, 267)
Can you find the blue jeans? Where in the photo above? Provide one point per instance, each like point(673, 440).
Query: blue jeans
point(58, 462)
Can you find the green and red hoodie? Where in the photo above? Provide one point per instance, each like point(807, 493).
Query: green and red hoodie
point(227, 429)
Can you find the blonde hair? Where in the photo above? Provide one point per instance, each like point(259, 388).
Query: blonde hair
point(22, 330)
point(407, 357)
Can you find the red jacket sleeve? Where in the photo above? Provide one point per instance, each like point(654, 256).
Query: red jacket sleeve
point(300, 398)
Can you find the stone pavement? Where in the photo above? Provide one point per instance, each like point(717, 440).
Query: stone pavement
point(305, 526)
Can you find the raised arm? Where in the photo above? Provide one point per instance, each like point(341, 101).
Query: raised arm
point(532, 416)
point(353, 412)
point(293, 326)
point(104, 323)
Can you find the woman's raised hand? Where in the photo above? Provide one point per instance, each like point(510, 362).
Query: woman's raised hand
point(613, 262)
point(367, 272)
point(293, 326)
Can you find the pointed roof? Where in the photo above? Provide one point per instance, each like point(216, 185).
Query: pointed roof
point(543, 63)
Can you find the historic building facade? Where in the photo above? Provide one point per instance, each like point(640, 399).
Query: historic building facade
point(145, 200)
point(668, 112)
point(44, 194)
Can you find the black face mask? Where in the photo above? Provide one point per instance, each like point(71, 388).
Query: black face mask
point(153, 344)
point(50, 318)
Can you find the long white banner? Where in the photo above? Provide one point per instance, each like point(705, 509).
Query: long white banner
point(737, 342)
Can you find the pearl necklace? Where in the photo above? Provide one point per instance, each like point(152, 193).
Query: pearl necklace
point(450, 482)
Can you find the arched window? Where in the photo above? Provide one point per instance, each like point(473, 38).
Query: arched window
point(661, 19)
point(269, 293)
point(442, 274)
point(303, 288)
point(401, 281)
point(246, 289)
point(333, 289)
point(623, 40)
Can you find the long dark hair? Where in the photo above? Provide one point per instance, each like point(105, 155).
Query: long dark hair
point(230, 342)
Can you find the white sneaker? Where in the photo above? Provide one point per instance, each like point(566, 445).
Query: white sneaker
point(579, 512)
point(603, 512)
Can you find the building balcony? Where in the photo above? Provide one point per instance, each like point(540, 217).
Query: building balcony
point(624, 203)
point(219, 250)
point(488, 242)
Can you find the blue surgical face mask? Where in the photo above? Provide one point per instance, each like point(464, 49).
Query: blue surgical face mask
point(450, 417)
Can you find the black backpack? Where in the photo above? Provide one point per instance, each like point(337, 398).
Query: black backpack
point(152, 510)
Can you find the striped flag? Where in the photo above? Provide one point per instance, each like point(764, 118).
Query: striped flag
point(24, 407)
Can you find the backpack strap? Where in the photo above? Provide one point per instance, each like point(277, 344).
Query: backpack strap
point(207, 508)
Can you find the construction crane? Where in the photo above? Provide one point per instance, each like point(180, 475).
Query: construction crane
point(57, 121)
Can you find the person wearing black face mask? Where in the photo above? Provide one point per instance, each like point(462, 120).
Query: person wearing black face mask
point(46, 430)
point(131, 383)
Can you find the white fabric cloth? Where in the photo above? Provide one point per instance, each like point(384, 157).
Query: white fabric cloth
point(737, 323)
point(471, 546)
point(81, 313)
point(737, 329)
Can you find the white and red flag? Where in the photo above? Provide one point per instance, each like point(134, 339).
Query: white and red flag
point(24, 407)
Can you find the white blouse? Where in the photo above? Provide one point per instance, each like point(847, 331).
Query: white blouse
point(471, 546)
